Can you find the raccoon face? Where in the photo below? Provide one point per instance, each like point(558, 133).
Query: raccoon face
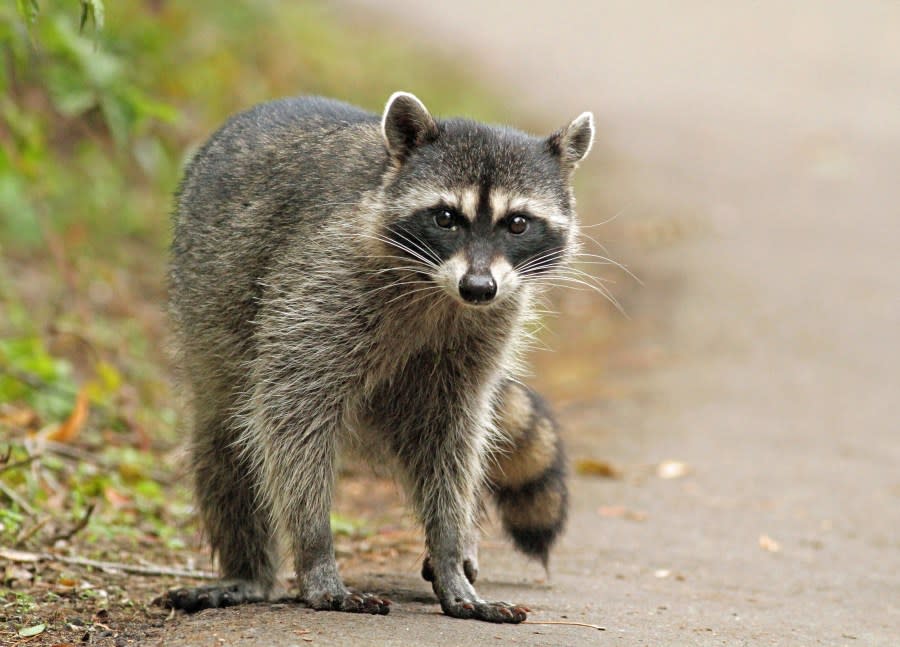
point(478, 210)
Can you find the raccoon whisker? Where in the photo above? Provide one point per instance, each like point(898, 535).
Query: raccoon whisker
point(533, 343)
point(550, 257)
point(537, 264)
point(546, 313)
point(574, 272)
point(546, 256)
point(542, 267)
point(605, 260)
point(610, 261)
point(403, 248)
point(397, 284)
point(550, 253)
point(426, 252)
point(599, 289)
point(413, 265)
point(415, 254)
point(604, 222)
point(538, 269)
point(581, 244)
point(580, 261)
point(400, 268)
point(411, 292)
point(395, 257)
point(425, 247)
point(586, 275)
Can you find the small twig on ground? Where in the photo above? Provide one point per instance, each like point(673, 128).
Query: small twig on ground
point(563, 622)
point(15, 498)
point(134, 569)
point(78, 527)
point(17, 464)
point(35, 382)
point(31, 532)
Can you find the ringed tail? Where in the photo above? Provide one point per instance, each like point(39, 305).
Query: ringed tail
point(527, 476)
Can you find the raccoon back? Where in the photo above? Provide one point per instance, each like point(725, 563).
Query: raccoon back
point(269, 177)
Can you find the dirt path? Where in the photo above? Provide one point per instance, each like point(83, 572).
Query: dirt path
point(756, 158)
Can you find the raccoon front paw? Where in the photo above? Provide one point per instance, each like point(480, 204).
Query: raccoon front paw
point(470, 568)
point(214, 596)
point(349, 602)
point(487, 611)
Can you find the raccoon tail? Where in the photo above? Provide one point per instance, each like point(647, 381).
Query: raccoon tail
point(527, 475)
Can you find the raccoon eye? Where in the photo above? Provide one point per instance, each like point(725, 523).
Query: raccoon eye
point(517, 225)
point(444, 219)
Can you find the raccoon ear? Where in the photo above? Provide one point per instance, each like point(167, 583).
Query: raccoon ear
point(406, 124)
point(572, 143)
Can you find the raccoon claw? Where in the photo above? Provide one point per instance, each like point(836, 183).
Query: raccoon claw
point(350, 603)
point(487, 611)
point(469, 568)
point(214, 596)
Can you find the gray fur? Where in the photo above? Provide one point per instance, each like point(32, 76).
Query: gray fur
point(300, 336)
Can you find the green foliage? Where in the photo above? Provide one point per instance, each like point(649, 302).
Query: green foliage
point(343, 525)
point(100, 104)
point(93, 144)
point(73, 107)
point(94, 11)
point(28, 373)
point(28, 9)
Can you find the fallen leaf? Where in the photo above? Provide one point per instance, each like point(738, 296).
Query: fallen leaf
point(593, 467)
point(672, 469)
point(769, 544)
point(115, 498)
point(34, 630)
point(71, 427)
point(621, 512)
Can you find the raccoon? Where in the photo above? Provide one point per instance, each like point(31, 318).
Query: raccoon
point(344, 282)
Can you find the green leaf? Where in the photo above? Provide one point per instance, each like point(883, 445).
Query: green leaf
point(341, 525)
point(28, 9)
point(94, 10)
point(26, 360)
point(34, 630)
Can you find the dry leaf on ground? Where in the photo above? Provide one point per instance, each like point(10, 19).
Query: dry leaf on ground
point(621, 512)
point(593, 467)
point(71, 426)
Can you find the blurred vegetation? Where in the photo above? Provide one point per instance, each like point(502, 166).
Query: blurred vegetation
point(101, 104)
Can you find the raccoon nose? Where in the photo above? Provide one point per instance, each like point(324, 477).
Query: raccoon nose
point(477, 288)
